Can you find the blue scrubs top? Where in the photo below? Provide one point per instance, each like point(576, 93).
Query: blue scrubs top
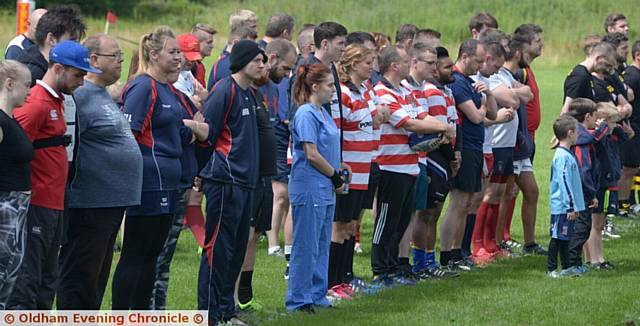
point(313, 125)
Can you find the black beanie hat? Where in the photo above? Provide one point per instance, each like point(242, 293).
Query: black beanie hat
point(242, 53)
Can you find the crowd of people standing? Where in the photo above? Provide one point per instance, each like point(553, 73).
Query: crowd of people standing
point(307, 136)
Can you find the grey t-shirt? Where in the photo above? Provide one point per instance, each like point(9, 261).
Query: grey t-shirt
point(108, 170)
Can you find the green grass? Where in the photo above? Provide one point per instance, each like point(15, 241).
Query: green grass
point(511, 292)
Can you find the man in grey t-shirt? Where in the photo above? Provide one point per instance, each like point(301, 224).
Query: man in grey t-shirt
point(106, 178)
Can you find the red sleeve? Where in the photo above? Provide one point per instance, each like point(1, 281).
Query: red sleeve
point(31, 118)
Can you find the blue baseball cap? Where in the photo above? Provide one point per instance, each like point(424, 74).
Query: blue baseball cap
point(72, 54)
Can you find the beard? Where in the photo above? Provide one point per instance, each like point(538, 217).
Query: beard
point(263, 80)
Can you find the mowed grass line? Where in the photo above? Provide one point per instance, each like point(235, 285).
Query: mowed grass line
point(510, 292)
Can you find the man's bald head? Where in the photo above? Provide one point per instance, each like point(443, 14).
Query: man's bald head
point(33, 22)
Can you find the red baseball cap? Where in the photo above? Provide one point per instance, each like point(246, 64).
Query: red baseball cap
point(190, 46)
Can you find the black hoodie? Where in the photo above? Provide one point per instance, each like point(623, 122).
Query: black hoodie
point(36, 62)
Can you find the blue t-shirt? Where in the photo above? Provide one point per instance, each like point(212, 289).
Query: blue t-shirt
point(472, 133)
point(233, 131)
point(108, 164)
point(155, 114)
point(220, 69)
point(313, 125)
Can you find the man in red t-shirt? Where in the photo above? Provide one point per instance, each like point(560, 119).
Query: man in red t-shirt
point(42, 119)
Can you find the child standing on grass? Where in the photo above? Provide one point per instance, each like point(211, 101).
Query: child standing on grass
point(566, 194)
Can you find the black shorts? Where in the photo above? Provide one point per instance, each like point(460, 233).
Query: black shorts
point(469, 177)
point(374, 179)
point(629, 153)
point(502, 165)
point(262, 209)
point(438, 173)
point(349, 206)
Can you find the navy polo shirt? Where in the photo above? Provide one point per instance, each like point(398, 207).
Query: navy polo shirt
point(472, 133)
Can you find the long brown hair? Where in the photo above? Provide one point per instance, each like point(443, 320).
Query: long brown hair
point(306, 76)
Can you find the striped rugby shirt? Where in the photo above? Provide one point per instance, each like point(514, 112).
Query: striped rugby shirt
point(358, 142)
point(395, 155)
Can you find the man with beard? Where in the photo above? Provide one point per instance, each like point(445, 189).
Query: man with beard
point(41, 117)
point(228, 180)
point(440, 165)
point(273, 138)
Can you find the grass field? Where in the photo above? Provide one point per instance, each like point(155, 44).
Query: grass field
point(513, 292)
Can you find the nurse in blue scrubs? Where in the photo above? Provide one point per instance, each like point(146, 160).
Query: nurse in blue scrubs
point(315, 179)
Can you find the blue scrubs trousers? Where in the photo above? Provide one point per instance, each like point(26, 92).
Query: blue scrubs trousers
point(312, 214)
point(226, 236)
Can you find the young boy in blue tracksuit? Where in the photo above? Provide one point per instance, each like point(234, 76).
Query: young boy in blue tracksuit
point(566, 198)
point(584, 110)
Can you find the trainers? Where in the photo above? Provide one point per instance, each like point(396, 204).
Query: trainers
point(582, 269)
point(436, 272)
point(307, 309)
point(382, 281)
point(534, 249)
point(513, 245)
point(482, 257)
point(360, 286)
point(275, 251)
point(338, 292)
point(553, 274)
point(570, 272)
point(357, 248)
point(286, 272)
point(458, 265)
point(610, 230)
point(403, 281)
point(252, 305)
point(603, 266)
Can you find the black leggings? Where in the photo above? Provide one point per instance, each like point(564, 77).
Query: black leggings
point(557, 246)
point(134, 277)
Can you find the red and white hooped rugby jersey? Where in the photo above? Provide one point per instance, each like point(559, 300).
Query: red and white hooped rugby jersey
point(418, 92)
point(372, 96)
point(358, 141)
point(395, 155)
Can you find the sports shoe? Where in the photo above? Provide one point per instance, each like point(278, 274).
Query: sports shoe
point(603, 266)
point(458, 265)
point(436, 272)
point(534, 249)
point(553, 274)
point(360, 286)
point(610, 230)
point(275, 251)
point(338, 292)
point(582, 269)
point(482, 257)
point(382, 281)
point(252, 305)
point(513, 245)
point(401, 280)
point(570, 272)
point(307, 309)
point(286, 272)
point(357, 248)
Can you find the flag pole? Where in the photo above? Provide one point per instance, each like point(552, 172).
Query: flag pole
point(106, 27)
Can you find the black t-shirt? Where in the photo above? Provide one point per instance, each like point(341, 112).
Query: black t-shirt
point(579, 83)
point(16, 151)
point(267, 138)
point(632, 79)
point(604, 91)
